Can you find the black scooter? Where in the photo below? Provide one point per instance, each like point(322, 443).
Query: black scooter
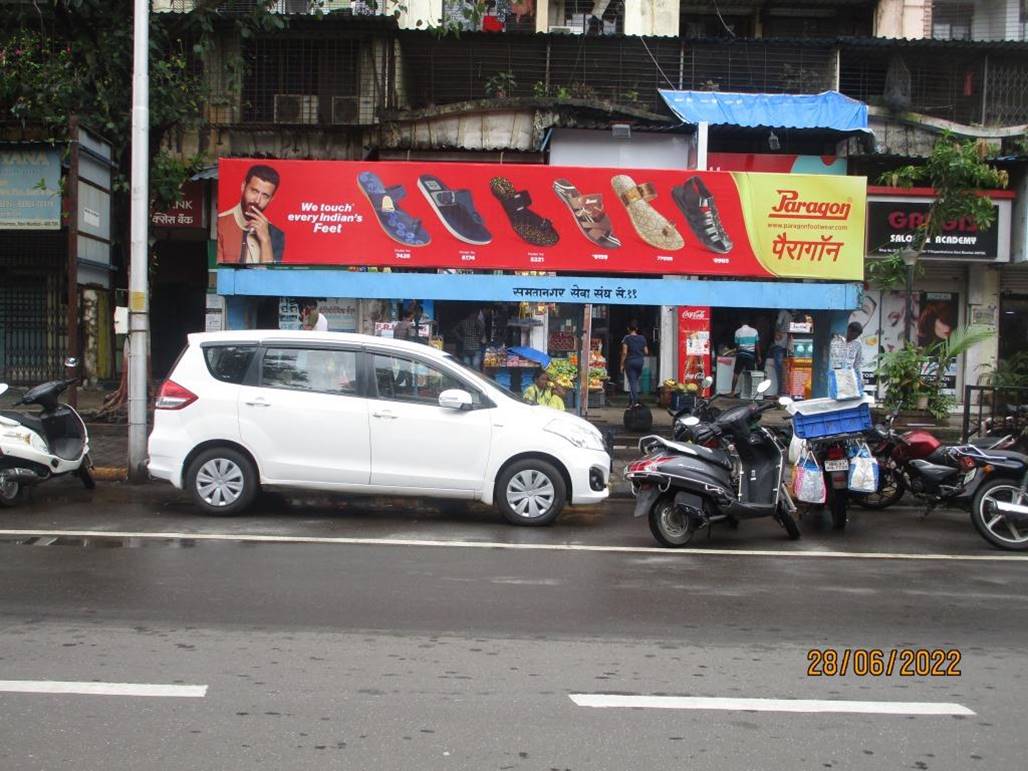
point(686, 487)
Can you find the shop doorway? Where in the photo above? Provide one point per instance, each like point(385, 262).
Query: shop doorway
point(178, 300)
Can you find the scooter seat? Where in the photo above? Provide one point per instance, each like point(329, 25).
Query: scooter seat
point(31, 422)
point(714, 456)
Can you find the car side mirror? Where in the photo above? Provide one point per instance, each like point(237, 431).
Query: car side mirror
point(456, 399)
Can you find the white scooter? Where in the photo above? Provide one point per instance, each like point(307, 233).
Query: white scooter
point(33, 448)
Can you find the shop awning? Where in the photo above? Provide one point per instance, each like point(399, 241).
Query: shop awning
point(319, 282)
point(827, 110)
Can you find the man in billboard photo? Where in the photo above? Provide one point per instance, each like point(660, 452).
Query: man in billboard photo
point(245, 235)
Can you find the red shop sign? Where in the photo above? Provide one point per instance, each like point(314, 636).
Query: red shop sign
point(693, 344)
point(189, 212)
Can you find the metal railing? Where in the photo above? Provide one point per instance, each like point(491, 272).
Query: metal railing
point(1001, 403)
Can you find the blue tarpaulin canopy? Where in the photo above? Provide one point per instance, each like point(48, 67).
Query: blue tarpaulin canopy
point(532, 354)
point(827, 110)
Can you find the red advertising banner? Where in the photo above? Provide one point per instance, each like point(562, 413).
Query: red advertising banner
point(527, 217)
point(777, 163)
point(694, 344)
point(188, 212)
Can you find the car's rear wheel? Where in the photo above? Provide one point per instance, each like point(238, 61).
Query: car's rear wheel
point(530, 492)
point(222, 481)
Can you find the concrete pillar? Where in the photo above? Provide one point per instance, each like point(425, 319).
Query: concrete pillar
point(826, 324)
point(982, 302)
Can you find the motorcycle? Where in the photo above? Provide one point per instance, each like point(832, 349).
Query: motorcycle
point(51, 443)
point(685, 487)
point(894, 452)
point(1002, 516)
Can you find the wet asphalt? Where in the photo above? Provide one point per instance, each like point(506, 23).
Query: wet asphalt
point(409, 655)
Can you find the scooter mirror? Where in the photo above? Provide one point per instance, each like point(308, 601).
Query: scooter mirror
point(785, 401)
point(71, 362)
point(690, 421)
point(3, 388)
point(708, 381)
point(764, 386)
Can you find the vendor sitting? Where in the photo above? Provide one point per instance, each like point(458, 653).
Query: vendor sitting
point(544, 392)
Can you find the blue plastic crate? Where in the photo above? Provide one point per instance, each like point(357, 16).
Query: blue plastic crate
point(848, 420)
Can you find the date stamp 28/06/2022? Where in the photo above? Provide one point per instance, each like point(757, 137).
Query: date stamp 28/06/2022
point(881, 662)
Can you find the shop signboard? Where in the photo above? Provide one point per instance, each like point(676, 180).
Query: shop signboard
point(893, 219)
point(693, 344)
point(542, 218)
point(30, 190)
point(341, 314)
point(188, 212)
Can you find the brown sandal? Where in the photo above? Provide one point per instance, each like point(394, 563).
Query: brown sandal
point(589, 213)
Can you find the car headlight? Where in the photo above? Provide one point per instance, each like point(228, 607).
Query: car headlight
point(581, 436)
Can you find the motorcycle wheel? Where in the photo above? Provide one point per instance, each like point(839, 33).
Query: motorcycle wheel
point(670, 526)
point(786, 520)
point(837, 505)
point(992, 525)
point(891, 489)
point(11, 493)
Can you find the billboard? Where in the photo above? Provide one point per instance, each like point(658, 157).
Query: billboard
point(30, 190)
point(549, 218)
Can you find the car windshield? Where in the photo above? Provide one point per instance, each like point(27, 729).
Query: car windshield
point(479, 376)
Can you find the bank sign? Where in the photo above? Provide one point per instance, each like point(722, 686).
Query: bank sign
point(892, 221)
point(30, 190)
point(545, 218)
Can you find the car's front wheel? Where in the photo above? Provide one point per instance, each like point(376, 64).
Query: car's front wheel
point(530, 492)
point(222, 481)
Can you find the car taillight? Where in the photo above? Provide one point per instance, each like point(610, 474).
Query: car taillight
point(172, 396)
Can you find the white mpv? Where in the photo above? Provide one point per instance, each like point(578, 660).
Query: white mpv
point(359, 414)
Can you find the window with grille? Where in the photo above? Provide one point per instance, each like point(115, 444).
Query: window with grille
point(302, 81)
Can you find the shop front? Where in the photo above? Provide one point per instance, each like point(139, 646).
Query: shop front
point(957, 282)
point(513, 266)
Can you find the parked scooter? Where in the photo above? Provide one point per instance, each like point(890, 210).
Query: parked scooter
point(33, 448)
point(685, 487)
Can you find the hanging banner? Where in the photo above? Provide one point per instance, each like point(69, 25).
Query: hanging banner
point(777, 163)
point(526, 217)
point(693, 344)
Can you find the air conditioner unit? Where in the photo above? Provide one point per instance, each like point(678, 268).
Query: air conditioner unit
point(296, 108)
point(346, 110)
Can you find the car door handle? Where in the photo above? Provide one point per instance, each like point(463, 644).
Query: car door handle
point(384, 415)
point(258, 403)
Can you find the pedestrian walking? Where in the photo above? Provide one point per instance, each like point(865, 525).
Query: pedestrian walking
point(633, 352)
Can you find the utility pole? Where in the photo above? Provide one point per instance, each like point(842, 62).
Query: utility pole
point(139, 301)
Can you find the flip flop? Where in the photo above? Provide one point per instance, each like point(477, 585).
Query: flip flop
point(589, 214)
point(652, 226)
point(397, 224)
point(529, 226)
point(455, 209)
point(696, 202)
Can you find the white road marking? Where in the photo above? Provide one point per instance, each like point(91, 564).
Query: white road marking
point(603, 700)
point(251, 538)
point(104, 689)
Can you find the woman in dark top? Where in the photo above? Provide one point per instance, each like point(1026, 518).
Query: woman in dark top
point(633, 349)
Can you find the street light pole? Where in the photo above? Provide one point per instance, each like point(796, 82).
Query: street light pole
point(139, 303)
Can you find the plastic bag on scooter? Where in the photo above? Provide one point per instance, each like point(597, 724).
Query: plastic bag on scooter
point(808, 481)
point(863, 471)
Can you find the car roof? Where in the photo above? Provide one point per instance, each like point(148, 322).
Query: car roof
point(306, 336)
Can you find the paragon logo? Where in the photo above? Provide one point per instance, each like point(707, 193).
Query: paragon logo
point(791, 207)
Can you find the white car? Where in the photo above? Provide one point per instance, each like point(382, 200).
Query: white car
point(359, 414)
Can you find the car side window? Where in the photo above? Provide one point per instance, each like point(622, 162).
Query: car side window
point(228, 363)
point(409, 380)
point(323, 370)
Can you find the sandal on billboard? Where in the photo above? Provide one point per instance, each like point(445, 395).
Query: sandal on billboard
point(529, 226)
point(652, 226)
point(397, 224)
point(589, 214)
point(456, 210)
point(697, 204)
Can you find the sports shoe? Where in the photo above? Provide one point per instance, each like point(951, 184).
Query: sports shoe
point(697, 204)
